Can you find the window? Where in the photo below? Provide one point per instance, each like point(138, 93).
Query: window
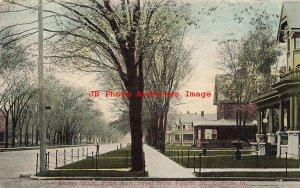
point(188, 137)
point(178, 127)
point(177, 137)
point(297, 42)
point(183, 127)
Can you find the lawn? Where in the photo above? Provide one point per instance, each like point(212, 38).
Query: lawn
point(245, 162)
point(111, 164)
point(110, 160)
point(249, 174)
point(209, 152)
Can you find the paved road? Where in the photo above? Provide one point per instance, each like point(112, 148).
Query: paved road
point(14, 163)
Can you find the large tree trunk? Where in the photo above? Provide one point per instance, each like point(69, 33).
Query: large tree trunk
point(6, 129)
point(14, 125)
point(135, 115)
point(160, 132)
point(155, 131)
point(37, 136)
point(21, 137)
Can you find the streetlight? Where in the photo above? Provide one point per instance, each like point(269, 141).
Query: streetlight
point(254, 122)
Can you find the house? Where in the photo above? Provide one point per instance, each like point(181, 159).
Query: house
point(2, 128)
point(278, 109)
point(182, 131)
point(221, 132)
point(225, 123)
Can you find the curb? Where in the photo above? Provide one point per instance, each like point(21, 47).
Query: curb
point(168, 179)
point(37, 147)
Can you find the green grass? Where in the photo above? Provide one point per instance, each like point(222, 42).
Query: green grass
point(93, 173)
point(245, 162)
point(110, 160)
point(249, 174)
point(209, 152)
point(118, 153)
point(168, 147)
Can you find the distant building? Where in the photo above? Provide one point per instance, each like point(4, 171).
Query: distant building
point(220, 132)
point(182, 131)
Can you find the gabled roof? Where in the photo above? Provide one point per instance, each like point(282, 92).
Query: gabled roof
point(290, 16)
point(220, 122)
point(190, 118)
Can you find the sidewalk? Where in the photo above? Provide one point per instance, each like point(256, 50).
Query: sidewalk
point(160, 166)
point(248, 170)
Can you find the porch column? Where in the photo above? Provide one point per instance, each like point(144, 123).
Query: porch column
point(281, 115)
point(259, 135)
point(281, 127)
point(259, 122)
point(271, 135)
point(291, 114)
point(296, 112)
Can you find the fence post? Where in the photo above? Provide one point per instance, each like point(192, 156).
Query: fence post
point(200, 164)
point(64, 157)
point(117, 147)
point(178, 154)
point(92, 159)
point(188, 160)
point(48, 159)
point(56, 165)
point(82, 153)
point(194, 163)
point(37, 164)
point(286, 164)
point(87, 151)
point(72, 155)
point(182, 157)
point(96, 161)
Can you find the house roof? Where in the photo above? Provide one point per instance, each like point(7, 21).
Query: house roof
point(220, 122)
point(190, 118)
point(290, 16)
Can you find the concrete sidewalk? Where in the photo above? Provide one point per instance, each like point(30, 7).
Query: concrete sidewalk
point(160, 166)
point(247, 169)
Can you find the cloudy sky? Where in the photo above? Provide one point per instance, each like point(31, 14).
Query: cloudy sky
point(220, 24)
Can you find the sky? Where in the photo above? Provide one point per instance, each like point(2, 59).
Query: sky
point(215, 26)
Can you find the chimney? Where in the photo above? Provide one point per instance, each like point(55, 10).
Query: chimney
point(188, 112)
point(202, 113)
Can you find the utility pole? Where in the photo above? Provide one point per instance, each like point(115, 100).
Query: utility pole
point(41, 91)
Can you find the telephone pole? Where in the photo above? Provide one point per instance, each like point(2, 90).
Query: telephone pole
point(41, 105)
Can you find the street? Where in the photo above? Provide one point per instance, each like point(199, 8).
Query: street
point(15, 163)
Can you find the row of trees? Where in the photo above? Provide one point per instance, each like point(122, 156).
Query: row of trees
point(71, 118)
point(136, 45)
